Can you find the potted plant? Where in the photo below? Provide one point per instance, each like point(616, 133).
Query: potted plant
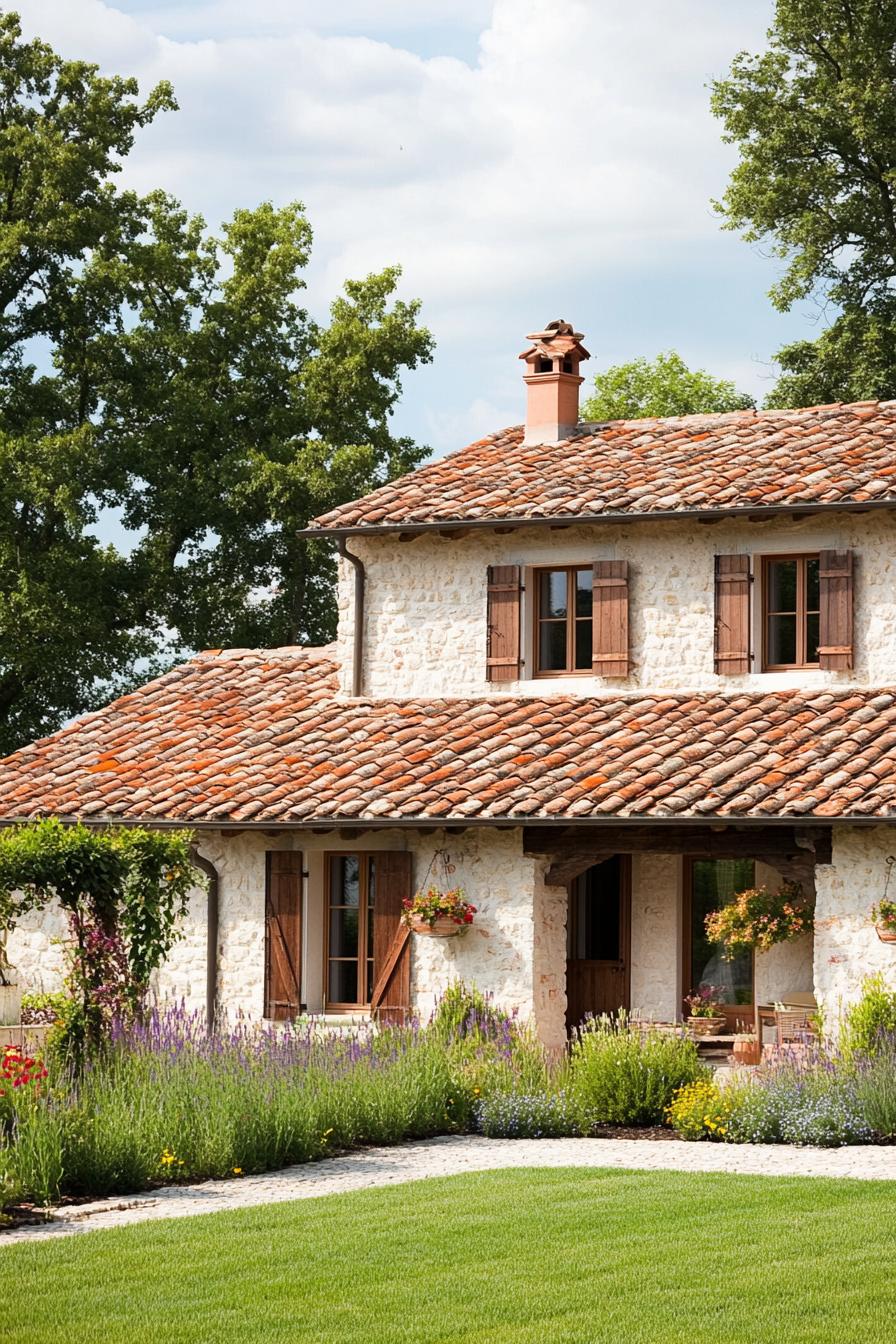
point(438, 914)
point(703, 1009)
point(747, 1048)
point(883, 917)
point(756, 919)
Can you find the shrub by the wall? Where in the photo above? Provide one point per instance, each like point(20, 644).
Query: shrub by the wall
point(620, 1075)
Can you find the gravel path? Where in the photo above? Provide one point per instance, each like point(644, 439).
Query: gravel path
point(452, 1156)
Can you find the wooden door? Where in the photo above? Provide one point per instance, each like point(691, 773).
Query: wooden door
point(598, 969)
point(391, 991)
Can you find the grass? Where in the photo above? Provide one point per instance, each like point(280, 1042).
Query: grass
point(519, 1257)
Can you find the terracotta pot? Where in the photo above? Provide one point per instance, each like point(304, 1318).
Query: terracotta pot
point(442, 928)
point(747, 1051)
point(705, 1026)
point(886, 933)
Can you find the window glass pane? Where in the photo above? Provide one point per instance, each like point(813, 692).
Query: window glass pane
point(812, 602)
point(781, 594)
point(552, 597)
point(369, 995)
point(342, 982)
point(715, 882)
point(583, 645)
point(371, 897)
point(782, 639)
point(584, 592)
point(552, 646)
point(344, 881)
point(344, 933)
point(597, 914)
point(812, 638)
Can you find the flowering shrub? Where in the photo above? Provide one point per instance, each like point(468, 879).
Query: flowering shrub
point(704, 1001)
point(806, 1097)
point(757, 919)
point(512, 1115)
point(699, 1111)
point(20, 1079)
point(432, 904)
point(620, 1075)
point(44, 1009)
point(884, 914)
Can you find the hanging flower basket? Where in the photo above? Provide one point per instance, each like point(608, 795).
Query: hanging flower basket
point(442, 927)
point(756, 919)
point(883, 917)
point(435, 912)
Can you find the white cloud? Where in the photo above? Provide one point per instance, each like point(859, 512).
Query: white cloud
point(580, 146)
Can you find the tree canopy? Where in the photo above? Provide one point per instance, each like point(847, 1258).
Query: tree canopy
point(814, 121)
point(151, 366)
point(662, 386)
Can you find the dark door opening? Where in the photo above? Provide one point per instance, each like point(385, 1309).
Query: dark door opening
point(598, 971)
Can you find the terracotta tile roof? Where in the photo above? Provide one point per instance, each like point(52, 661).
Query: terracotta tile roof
point(245, 735)
point(745, 460)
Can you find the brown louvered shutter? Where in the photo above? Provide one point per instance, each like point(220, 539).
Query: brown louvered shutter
point(835, 590)
point(732, 627)
point(609, 630)
point(390, 1000)
point(503, 658)
point(283, 934)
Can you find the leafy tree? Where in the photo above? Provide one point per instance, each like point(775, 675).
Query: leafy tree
point(664, 386)
point(152, 367)
point(814, 120)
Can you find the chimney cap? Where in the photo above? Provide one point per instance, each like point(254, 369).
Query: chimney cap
point(556, 328)
point(558, 339)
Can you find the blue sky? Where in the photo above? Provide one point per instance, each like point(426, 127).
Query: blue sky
point(522, 159)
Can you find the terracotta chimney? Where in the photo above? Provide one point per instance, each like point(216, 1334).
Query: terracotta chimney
point(552, 381)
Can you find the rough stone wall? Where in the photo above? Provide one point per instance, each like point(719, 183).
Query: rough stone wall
point(516, 949)
point(847, 949)
point(35, 951)
point(656, 987)
point(426, 604)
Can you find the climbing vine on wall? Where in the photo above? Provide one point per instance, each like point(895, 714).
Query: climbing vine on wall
point(123, 892)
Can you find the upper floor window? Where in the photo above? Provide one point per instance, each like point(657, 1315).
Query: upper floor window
point(791, 610)
point(563, 620)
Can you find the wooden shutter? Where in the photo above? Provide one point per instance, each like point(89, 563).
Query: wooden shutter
point(732, 627)
point(503, 658)
point(609, 628)
point(283, 934)
point(391, 997)
point(835, 623)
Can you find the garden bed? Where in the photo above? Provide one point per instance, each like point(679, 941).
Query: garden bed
point(167, 1102)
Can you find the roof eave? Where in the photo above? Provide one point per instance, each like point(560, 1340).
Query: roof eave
point(704, 820)
point(752, 512)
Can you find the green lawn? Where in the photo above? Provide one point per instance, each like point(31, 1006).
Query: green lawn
point(523, 1257)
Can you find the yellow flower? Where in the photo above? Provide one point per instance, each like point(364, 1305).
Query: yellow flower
point(237, 1171)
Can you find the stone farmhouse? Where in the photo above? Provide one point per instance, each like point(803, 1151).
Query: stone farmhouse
point(605, 675)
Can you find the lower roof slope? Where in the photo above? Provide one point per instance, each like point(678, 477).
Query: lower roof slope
point(264, 736)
